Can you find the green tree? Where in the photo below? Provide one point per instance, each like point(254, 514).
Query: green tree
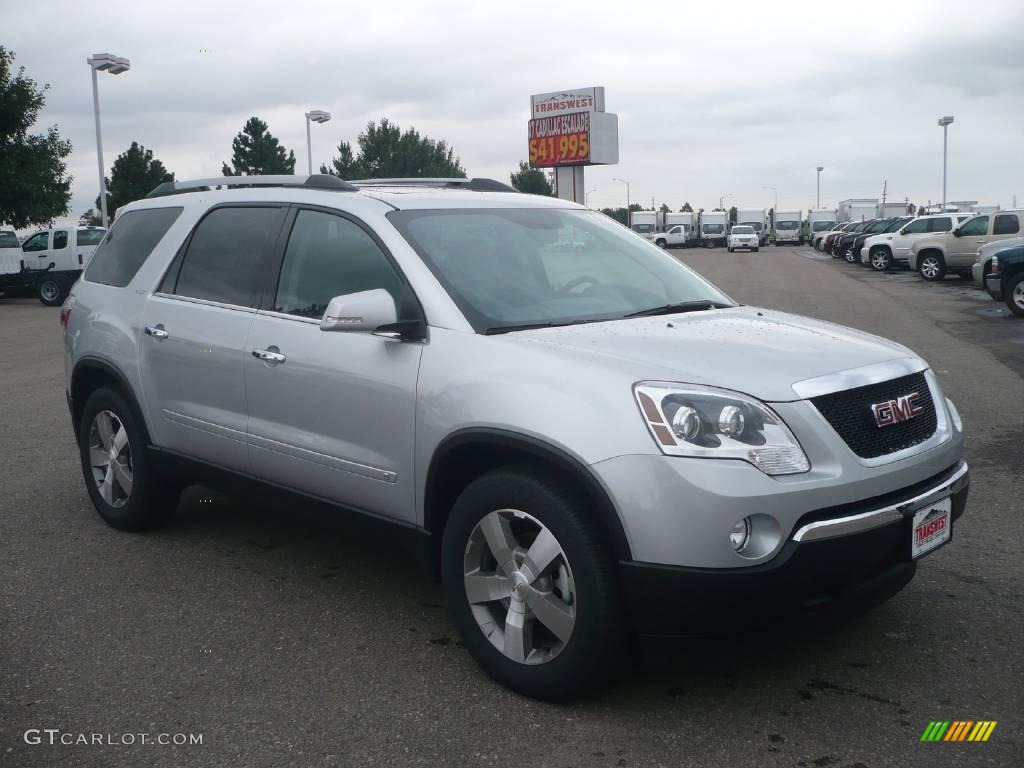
point(687, 208)
point(34, 185)
point(635, 207)
point(135, 174)
point(255, 152)
point(91, 218)
point(732, 215)
point(385, 151)
point(664, 208)
point(911, 209)
point(620, 214)
point(532, 181)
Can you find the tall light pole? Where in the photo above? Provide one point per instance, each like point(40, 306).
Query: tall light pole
point(945, 122)
point(317, 116)
point(721, 200)
point(586, 197)
point(623, 181)
point(115, 65)
point(775, 210)
point(820, 169)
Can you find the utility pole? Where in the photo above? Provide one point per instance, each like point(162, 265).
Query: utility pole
point(885, 185)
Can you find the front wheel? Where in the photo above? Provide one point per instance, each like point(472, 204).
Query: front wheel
point(660, 243)
point(755, 250)
point(880, 259)
point(530, 585)
point(1015, 295)
point(932, 267)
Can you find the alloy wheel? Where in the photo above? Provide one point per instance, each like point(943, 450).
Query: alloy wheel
point(110, 458)
point(930, 267)
point(520, 586)
point(49, 290)
point(879, 260)
point(1018, 295)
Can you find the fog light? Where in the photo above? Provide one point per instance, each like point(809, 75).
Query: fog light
point(739, 536)
point(686, 423)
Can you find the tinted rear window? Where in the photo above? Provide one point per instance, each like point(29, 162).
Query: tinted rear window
point(9, 240)
point(132, 238)
point(90, 236)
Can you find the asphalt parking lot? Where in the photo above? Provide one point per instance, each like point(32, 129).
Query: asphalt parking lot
point(284, 640)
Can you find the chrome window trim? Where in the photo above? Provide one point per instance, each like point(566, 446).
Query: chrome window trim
point(203, 302)
point(876, 373)
point(285, 316)
point(866, 521)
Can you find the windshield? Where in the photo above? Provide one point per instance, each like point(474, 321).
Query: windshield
point(755, 224)
point(896, 224)
point(510, 267)
point(643, 229)
point(90, 236)
point(787, 225)
point(823, 226)
point(878, 226)
point(742, 230)
point(9, 240)
point(713, 229)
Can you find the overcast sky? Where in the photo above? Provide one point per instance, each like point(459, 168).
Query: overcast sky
point(713, 99)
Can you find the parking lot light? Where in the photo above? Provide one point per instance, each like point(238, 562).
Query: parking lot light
point(623, 181)
point(820, 169)
point(944, 122)
point(115, 65)
point(317, 116)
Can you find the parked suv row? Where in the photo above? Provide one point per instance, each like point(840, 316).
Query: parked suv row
point(581, 436)
point(884, 251)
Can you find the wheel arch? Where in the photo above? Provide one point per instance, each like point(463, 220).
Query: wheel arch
point(91, 373)
point(468, 453)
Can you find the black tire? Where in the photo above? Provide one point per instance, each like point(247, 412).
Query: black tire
point(729, 248)
point(850, 256)
point(755, 250)
point(591, 654)
point(924, 266)
point(152, 498)
point(1011, 287)
point(52, 291)
point(660, 243)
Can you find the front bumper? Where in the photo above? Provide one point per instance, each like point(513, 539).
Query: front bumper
point(850, 556)
point(994, 285)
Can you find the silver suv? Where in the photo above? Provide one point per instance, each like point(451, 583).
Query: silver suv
point(579, 434)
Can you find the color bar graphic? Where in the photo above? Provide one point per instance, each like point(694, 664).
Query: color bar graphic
point(958, 730)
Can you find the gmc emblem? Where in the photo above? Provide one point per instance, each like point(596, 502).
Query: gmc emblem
point(894, 411)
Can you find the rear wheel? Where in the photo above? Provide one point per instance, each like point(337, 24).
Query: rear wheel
point(530, 585)
point(1015, 295)
point(660, 243)
point(931, 266)
point(52, 291)
point(124, 488)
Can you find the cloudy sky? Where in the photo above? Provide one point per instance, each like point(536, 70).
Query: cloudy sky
point(712, 98)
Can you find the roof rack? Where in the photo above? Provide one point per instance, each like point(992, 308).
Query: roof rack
point(474, 185)
point(315, 181)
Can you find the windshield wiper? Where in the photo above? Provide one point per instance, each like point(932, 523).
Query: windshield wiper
point(684, 306)
point(547, 324)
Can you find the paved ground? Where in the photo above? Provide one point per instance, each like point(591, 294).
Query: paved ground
point(283, 642)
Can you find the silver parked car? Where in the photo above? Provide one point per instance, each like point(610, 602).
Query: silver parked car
point(580, 441)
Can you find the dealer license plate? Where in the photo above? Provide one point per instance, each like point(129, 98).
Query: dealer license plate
point(932, 527)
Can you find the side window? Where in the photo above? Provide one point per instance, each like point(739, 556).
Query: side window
point(60, 239)
point(329, 256)
point(918, 226)
point(1006, 224)
point(132, 238)
point(90, 236)
point(37, 242)
point(225, 257)
point(976, 226)
point(941, 224)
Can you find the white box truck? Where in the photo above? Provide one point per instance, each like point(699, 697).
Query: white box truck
point(48, 262)
point(756, 218)
point(858, 209)
point(892, 210)
point(644, 222)
point(789, 227)
point(714, 227)
point(821, 220)
point(689, 221)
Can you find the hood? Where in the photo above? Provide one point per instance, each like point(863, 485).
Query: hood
point(757, 351)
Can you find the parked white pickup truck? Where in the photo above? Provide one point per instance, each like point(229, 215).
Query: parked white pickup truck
point(676, 237)
point(48, 263)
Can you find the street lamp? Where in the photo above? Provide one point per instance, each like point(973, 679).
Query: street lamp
point(623, 181)
point(586, 197)
point(317, 116)
point(115, 65)
point(945, 122)
point(820, 169)
point(721, 200)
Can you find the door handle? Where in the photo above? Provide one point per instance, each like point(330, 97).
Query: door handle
point(268, 356)
point(156, 331)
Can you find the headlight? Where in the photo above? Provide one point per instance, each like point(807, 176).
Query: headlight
point(709, 423)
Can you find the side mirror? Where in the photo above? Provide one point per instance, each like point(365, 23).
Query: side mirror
point(359, 312)
point(903, 231)
point(956, 232)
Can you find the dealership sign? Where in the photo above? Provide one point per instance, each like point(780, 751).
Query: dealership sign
point(571, 128)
